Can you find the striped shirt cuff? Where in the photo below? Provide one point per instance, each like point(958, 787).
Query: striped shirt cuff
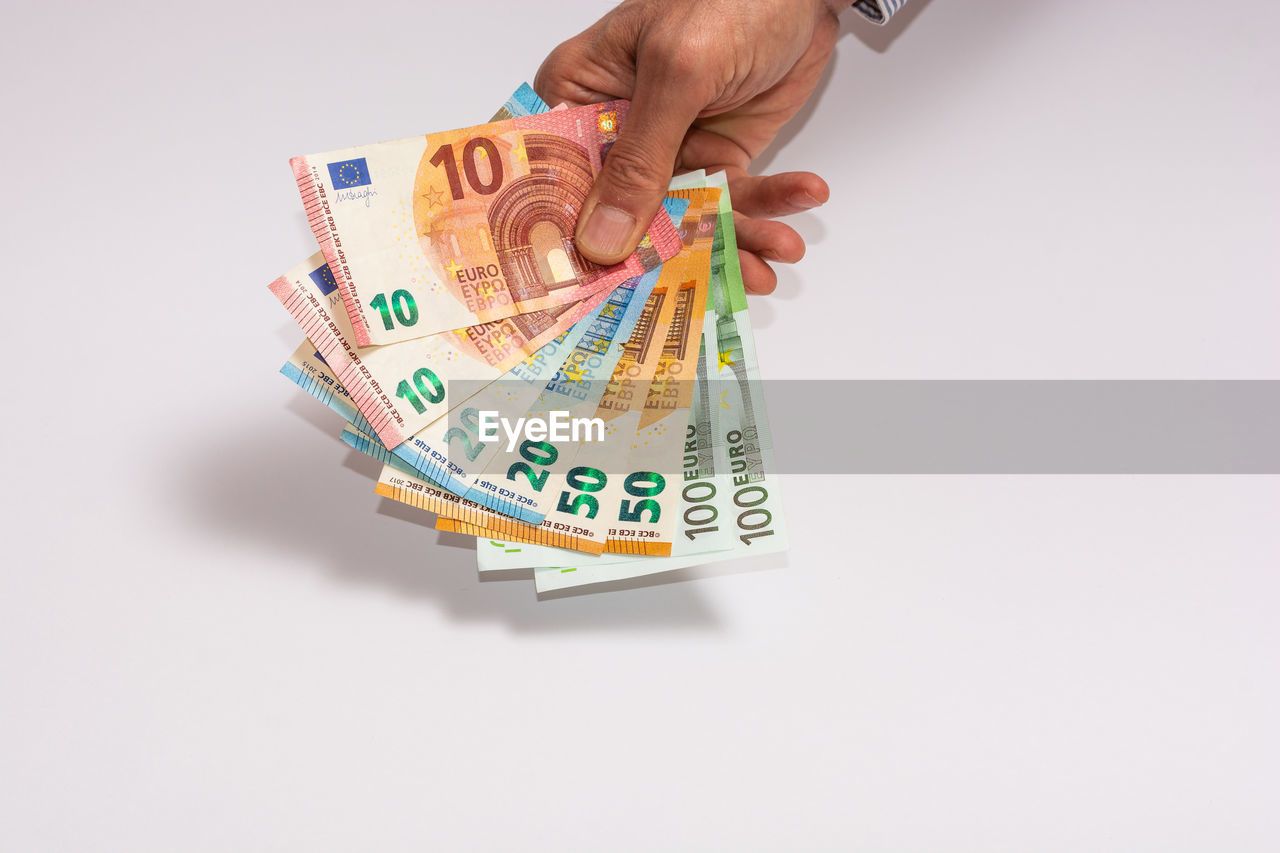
point(878, 11)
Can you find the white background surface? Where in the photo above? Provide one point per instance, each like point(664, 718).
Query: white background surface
point(213, 636)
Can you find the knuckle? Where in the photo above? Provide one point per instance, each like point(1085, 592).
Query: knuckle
point(553, 70)
point(679, 56)
point(689, 58)
point(630, 170)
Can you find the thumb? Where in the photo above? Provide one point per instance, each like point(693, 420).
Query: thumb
point(636, 172)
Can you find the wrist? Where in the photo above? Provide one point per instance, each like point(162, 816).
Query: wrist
point(833, 7)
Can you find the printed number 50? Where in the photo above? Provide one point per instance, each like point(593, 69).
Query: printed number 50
point(583, 479)
point(642, 484)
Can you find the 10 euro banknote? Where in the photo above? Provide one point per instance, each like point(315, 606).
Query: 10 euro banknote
point(454, 229)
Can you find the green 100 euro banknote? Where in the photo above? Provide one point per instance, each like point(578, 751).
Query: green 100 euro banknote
point(454, 229)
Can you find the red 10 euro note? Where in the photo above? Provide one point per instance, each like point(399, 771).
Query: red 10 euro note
point(464, 227)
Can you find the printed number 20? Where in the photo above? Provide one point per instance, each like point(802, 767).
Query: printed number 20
point(539, 453)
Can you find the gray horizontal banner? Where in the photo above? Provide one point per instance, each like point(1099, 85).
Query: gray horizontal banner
point(921, 427)
point(1025, 427)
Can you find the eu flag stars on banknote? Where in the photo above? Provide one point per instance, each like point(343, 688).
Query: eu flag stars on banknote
point(586, 424)
point(349, 173)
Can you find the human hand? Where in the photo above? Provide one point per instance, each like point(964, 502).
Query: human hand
point(711, 82)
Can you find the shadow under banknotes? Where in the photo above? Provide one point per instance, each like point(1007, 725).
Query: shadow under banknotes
point(733, 567)
point(281, 483)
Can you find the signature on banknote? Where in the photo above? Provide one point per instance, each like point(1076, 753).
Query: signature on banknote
point(366, 194)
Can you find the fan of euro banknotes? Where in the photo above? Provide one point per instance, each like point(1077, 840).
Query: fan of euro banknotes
point(587, 423)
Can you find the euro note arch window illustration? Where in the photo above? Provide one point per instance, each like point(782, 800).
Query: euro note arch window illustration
point(533, 219)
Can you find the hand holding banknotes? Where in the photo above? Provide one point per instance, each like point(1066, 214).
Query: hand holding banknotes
point(711, 83)
point(654, 358)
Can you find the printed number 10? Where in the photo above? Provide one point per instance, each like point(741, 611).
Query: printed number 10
point(444, 157)
point(403, 305)
point(428, 385)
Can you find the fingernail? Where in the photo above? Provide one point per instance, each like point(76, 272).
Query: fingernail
point(607, 231)
point(803, 200)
